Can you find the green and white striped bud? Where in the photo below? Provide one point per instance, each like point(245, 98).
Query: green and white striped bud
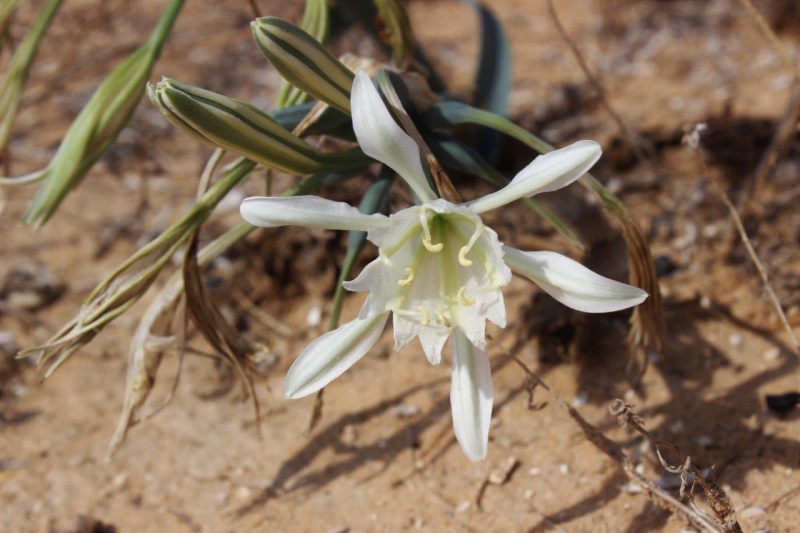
point(242, 128)
point(304, 62)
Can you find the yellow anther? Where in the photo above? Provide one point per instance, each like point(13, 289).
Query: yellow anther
point(442, 319)
point(409, 280)
point(462, 257)
point(426, 318)
point(432, 247)
point(462, 297)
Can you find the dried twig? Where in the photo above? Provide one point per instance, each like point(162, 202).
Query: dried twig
point(658, 495)
point(718, 499)
point(769, 34)
point(692, 140)
point(788, 124)
point(629, 135)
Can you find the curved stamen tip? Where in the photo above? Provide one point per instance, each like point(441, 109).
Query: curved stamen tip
point(462, 257)
point(409, 280)
point(432, 247)
point(462, 298)
point(426, 318)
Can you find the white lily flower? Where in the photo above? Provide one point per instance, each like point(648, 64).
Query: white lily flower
point(440, 271)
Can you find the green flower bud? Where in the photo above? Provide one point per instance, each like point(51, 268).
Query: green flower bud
point(304, 62)
point(242, 128)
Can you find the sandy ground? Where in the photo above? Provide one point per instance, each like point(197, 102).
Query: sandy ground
point(383, 457)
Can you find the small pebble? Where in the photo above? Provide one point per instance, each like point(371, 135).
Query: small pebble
point(314, 316)
point(772, 354)
point(736, 339)
point(528, 494)
point(580, 400)
point(704, 440)
point(563, 468)
point(349, 435)
point(639, 469)
point(677, 427)
point(463, 506)
point(534, 471)
point(631, 488)
point(405, 411)
point(751, 512)
point(664, 266)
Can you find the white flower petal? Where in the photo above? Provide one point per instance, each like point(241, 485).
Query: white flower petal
point(433, 340)
point(573, 284)
point(308, 211)
point(381, 138)
point(330, 355)
point(548, 172)
point(471, 397)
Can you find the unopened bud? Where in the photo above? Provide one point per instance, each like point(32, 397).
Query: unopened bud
point(304, 62)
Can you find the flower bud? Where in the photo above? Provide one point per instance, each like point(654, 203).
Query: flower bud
point(304, 62)
point(242, 128)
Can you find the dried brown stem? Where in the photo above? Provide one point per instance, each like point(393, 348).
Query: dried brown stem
point(787, 127)
point(629, 135)
point(692, 140)
point(718, 499)
point(610, 448)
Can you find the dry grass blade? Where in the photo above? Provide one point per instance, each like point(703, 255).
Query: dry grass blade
point(215, 329)
point(788, 124)
point(630, 136)
point(648, 328)
point(692, 140)
point(157, 333)
point(144, 357)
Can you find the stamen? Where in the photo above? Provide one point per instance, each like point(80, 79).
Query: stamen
point(426, 240)
point(443, 319)
point(462, 298)
point(463, 260)
point(426, 318)
point(409, 280)
point(462, 254)
point(432, 247)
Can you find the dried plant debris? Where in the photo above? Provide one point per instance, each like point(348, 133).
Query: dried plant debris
point(719, 501)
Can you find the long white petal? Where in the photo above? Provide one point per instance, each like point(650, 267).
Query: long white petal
point(308, 211)
point(330, 355)
point(573, 284)
point(381, 138)
point(471, 396)
point(548, 172)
